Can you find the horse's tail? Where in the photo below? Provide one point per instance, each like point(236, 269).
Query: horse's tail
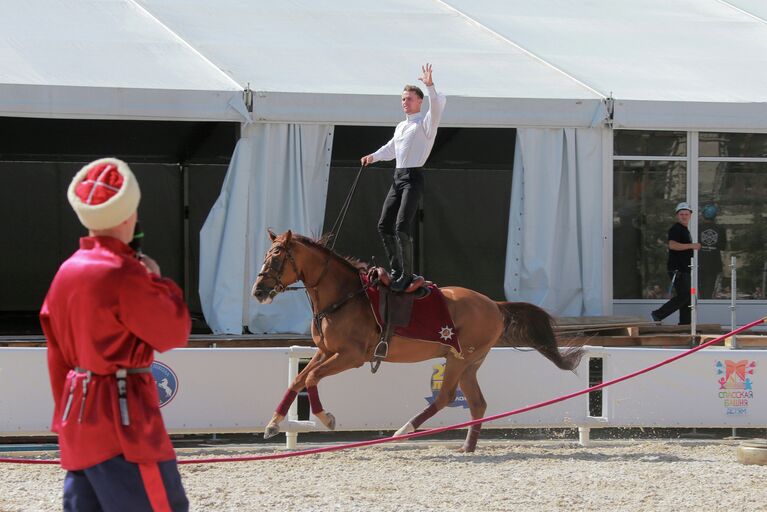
point(528, 325)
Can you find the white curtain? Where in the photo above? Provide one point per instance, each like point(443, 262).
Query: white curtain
point(278, 179)
point(554, 244)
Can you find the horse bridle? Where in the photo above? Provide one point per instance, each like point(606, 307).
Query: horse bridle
point(276, 274)
point(279, 287)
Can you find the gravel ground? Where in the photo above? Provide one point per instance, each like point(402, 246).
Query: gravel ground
point(621, 475)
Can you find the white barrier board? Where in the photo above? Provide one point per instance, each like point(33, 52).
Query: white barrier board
point(237, 390)
point(711, 388)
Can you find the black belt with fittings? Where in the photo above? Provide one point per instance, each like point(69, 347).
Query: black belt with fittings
point(122, 391)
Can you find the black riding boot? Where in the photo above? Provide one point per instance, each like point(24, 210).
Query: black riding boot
point(405, 254)
point(392, 254)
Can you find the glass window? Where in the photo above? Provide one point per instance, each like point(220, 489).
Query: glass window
point(644, 143)
point(733, 144)
point(644, 196)
point(732, 222)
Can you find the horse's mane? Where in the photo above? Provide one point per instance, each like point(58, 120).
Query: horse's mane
point(321, 245)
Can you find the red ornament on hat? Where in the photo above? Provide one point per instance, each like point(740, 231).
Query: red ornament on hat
point(101, 183)
point(104, 193)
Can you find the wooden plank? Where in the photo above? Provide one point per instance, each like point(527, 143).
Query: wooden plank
point(599, 320)
point(743, 341)
point(612, 329)
point(668, 341)
point(700, 328)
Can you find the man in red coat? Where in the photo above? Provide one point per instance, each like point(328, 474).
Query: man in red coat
point(105, 314)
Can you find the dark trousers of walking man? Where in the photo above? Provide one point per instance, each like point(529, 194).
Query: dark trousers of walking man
point(681, 299)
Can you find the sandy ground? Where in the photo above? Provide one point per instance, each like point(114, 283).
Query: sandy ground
point(621, 475)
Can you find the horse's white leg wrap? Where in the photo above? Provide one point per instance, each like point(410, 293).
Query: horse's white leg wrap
point(273, 428)
point(327, 419)
point(407, 428)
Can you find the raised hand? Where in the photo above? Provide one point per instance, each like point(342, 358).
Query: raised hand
point(426, 77)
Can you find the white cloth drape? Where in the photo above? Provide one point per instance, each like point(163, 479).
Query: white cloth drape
point(554, 244)
point(278, 179)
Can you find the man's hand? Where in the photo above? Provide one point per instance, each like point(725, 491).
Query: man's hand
point(366, 160)
point(426, 77)
point(150, 265)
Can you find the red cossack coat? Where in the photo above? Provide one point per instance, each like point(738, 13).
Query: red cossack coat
point(104, 312)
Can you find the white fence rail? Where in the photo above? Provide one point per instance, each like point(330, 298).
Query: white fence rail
point(237, 389)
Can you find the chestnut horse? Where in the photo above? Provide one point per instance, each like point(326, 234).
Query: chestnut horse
point(346, 333)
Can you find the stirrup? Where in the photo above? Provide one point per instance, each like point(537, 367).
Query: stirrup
point(379, 354)
point(382, 350)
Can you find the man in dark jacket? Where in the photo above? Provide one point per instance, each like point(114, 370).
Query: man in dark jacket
point(680, 252)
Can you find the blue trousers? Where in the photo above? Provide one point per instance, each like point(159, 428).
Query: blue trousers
point(119, 485)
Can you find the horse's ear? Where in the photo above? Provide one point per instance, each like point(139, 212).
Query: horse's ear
point(288, 234)
point(272, 236)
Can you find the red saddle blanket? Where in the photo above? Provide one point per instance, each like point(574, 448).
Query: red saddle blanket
point(429, 320)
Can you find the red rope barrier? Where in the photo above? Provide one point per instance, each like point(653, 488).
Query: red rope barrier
point(438, 430)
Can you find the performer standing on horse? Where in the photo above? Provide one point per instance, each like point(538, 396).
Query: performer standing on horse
point(410, 146)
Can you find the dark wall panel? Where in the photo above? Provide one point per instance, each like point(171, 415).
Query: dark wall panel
point(38, 158)
point(133, 141)
point(39, 230)
point(359, 232)
point(464, 228)
point(161, 213)
point(43, 230)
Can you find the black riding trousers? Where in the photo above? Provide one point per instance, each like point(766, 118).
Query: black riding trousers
point(401, 203)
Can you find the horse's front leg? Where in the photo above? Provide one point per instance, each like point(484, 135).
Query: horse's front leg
point(453, 370)
point(273, 427)
point(336, 363)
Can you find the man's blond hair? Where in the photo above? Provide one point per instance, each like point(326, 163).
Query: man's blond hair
point(414, 89)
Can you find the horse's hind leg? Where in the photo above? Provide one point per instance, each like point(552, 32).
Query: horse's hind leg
point(477, 405)
point(453, 370)
point(273, 427)
point(334, 364)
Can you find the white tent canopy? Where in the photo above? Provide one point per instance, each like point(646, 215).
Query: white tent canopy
point(687, 64)
point(344, 62)
point(105, 60)
point(697, 64)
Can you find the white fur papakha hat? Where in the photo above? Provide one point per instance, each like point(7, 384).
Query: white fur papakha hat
point(104, 193)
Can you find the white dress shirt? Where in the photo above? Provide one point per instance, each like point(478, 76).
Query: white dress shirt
point(414, 137)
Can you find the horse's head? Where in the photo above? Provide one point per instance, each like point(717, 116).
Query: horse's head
point(278, 271)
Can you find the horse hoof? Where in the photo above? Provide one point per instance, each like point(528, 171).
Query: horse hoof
point(327, 419)
point(407, 428)
point(465, 449)
point(331, 422)
point(271, 430)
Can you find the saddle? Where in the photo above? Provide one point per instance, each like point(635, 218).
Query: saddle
point(395, 308)
point(417, 285)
